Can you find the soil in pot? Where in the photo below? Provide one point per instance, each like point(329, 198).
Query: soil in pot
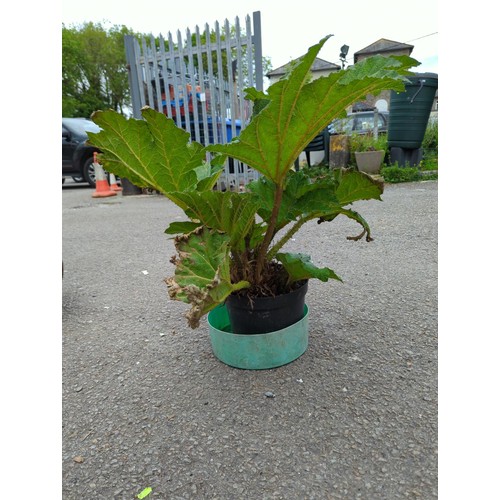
point(254, 315)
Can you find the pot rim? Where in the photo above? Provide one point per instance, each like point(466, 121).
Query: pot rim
point(263, 300)
point(255, 335)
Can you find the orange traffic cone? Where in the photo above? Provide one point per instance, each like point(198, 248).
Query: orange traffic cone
point(113, 184)
point(102, 188)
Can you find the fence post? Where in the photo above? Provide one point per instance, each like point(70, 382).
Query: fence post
point(132, 75)
point(257, 40)
point(219, 97)
point(127, 187)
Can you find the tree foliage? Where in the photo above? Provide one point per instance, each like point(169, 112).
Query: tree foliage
point(94, 69)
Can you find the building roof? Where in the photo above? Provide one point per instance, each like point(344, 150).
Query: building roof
point(383, 45)
point(318, 65)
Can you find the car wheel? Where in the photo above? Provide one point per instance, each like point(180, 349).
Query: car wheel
point(78, 179)
point(89, 172)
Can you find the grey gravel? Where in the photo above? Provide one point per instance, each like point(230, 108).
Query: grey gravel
point(145, 402)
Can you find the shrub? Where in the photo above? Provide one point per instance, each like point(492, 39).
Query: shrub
point(395, 174)
point(429, 162)
point(430, 140)
point(366, 142)
point(430, 147)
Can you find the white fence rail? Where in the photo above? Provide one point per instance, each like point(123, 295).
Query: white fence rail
point(199, 82)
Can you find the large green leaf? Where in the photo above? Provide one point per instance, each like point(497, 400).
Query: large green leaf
point(152, 152)
point(310, 195)
point(355, 186)
point(333, 193)
point(297, 186)
point(182, 227)
point(351, 214)
point(297, 111)
point(202, 273)
point(263, 190)
point(229, 212)
point(208, 173)
point(300, 267)
point(323, 196)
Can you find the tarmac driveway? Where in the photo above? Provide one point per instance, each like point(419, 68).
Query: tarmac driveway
point(145, 402)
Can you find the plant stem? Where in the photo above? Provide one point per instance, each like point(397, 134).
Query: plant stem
point(261, 256)
point(274, 250)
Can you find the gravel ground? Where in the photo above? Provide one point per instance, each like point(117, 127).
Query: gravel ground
point(145, 402)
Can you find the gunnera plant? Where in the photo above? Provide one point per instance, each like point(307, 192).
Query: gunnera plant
point(231, 242)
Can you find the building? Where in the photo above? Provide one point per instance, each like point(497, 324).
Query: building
point(319, 68)
point(384, 47)
point(381, 47)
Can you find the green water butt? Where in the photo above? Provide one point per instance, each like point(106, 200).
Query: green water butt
point(256, 351)
point(410, 111)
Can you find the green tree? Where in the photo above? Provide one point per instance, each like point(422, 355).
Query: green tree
point(94, 69)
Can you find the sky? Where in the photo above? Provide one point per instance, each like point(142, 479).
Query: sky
point(287, 32)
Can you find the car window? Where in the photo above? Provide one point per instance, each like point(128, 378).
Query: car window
point(341, 125)
point(382, 119)
point(81, 125)
point(363, 123)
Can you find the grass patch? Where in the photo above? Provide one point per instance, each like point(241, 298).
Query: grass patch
point(395, 174)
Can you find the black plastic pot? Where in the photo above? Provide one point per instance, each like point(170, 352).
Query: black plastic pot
point(129, 189)
point(266, 314)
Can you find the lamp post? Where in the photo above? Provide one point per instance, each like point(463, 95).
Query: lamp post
point(343, 53)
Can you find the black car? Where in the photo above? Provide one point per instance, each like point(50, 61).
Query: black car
point(361, 122)
point(77, 156)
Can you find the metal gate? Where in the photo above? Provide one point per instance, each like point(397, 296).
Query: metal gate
point(200, 82)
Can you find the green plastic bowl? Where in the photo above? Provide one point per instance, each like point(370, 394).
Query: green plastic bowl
point(260, 351)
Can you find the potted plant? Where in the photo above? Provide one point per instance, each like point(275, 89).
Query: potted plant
point(369, 152)
point(230, 254)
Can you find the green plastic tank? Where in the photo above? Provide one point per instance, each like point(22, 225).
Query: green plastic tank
point(410, 110)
